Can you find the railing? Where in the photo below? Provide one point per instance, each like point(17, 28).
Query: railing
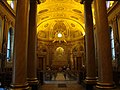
point(51, 75)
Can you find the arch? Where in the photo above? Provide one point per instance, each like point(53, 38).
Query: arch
point(77, 47)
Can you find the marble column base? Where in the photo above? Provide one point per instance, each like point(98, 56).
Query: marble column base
point(89, 87)
point(19, 87)
point(33, 83)
point(91, 80)
point(105, 85)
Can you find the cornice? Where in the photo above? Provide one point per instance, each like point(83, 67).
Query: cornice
point(117, 16)
point(111, 9)
point(8, 8)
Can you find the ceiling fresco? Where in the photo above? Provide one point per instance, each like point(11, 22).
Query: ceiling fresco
point(65, 17)
point(60, 16)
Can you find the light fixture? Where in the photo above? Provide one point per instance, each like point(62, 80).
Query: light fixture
point(59, 35)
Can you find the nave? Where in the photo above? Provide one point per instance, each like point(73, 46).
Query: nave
point(82, 35)
point(61, 82)
point(68, 86)
point(62, 86)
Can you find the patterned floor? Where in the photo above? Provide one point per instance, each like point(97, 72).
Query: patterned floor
point(62, 86)
point(61, 83)
point(72, 86)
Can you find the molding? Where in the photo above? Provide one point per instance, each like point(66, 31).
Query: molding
point(118, 15)
point(8, 8)
point(2, 15)
point(112, 8)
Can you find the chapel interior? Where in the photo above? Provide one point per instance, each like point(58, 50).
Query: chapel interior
point(59, 44)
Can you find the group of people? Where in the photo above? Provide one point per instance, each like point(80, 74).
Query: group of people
point(52, 74)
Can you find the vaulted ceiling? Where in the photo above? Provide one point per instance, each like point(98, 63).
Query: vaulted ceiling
point(64, 17)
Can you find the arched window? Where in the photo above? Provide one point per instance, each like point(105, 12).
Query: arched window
point(10, 44)
point(112, 43)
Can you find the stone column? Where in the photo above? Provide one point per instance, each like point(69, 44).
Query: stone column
point(105, 77)
point(90, 47)
point(32, 59)
point(19, 81)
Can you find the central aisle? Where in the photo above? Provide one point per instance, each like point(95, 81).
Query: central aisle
point(62, 86)
point(60, 76)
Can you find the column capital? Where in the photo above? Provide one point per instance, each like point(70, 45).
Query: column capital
point(114, 18)
point(1, 15)
point(111, 21)
point(5, 18)
point(118, 15)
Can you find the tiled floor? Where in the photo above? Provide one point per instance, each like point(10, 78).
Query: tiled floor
point(60, 83)
point(62, 87)
point(68, 87)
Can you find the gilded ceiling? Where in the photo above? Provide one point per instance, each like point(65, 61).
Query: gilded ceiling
point(65, 17)
point(60, 20)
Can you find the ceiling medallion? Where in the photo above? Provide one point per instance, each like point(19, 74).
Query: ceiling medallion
point(59, 35)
